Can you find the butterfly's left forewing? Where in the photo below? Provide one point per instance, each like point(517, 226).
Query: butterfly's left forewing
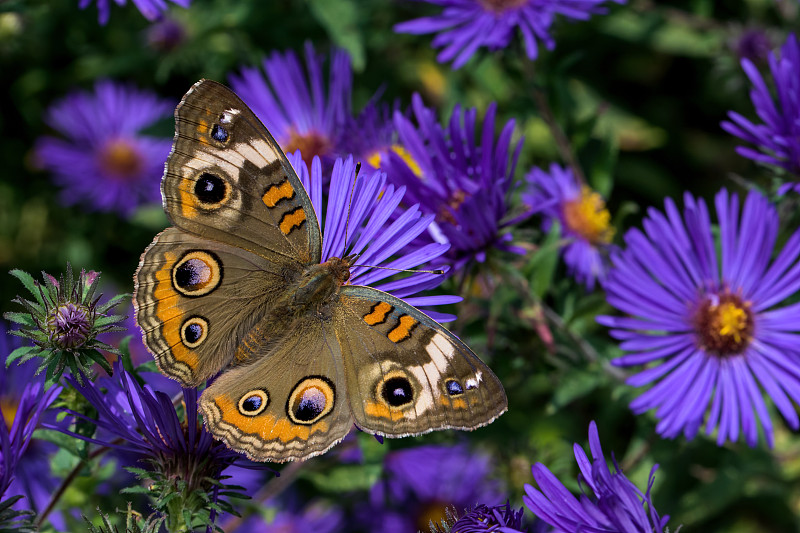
point(406, 374)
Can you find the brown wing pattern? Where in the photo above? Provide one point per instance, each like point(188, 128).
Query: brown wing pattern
point(290, 403)
point(195, 299)
point(410, 374)
point(228, 180)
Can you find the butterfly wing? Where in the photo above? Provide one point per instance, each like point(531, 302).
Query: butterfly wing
point(195, 299)
point(406, 374)
point(289, 402)
point(228, 180)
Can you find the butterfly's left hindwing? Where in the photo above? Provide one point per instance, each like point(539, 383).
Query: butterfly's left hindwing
point(408, 375)
point(289, 403)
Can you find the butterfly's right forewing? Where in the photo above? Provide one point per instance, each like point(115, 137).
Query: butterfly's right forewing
point(228, 180)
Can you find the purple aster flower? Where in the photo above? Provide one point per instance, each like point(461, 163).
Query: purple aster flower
point(483, 519)
point(24, 461)
point(145, 427)
point(421, 483)
point(777, 138)
point(151, 9)
point(295, 107)
point(463, 180)
point(104, 163)
point(614, 504)
point(376, 230)
point(466, 25)
point(582, 215)
point(709, 325)
point(370, 135)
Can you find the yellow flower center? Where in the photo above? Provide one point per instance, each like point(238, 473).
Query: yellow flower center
point(310, 144)
point(588, 217)
point(9, 410)
point(121, 159)
point(376, 158)
point(724, 327)
point(499, 6)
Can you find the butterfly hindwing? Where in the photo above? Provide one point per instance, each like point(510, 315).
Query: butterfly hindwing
point(288, 402)
point(406, 374)
point(195, 298)
point(228, 180)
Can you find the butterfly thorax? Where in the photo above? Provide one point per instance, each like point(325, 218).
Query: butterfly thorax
point(319, 285)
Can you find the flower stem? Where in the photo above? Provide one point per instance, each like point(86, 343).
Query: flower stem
point(65, 483)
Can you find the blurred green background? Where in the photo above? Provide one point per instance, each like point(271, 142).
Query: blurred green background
point(639, 93)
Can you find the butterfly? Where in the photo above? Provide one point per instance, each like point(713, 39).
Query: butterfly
point(237, 286)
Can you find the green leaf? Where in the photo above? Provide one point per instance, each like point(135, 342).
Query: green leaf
point(113, 302)
point(20, 318)
point(19, 352)
point(542, 264)
point(62, 440)
point(29, 283)
point(346, 478)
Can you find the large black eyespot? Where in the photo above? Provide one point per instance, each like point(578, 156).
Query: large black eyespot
point(210, 189)
point(311, 399)
point(194, 331)
point(253, 402)
point(397, 391)
point(218, 133)
point(454, 388)
point(197, 273)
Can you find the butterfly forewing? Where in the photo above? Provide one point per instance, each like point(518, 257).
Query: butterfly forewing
point(228, 180)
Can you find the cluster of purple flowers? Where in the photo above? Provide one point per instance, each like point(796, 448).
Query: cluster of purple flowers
point(707, 308)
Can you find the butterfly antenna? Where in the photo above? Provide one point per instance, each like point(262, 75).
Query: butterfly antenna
point(412, 270)
point(349, 202)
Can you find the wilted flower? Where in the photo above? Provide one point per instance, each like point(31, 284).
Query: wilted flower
point(296, 109)
point(777, 138)
point(466, 25)
point(63, 322)
point(707, 317)
point(105, 162)
point(463, 179)
point(612, 505)
point(151, 9)
point(582, 215)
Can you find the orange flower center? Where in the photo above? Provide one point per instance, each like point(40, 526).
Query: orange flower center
point(119, 158)
point(588, 217)
point(310, 144)
point(724, 324)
